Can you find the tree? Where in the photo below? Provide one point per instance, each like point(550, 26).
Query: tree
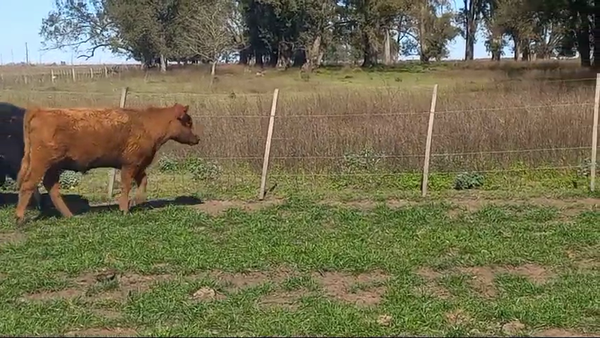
point(206, 29)
point(469, 17)
point(81, 25)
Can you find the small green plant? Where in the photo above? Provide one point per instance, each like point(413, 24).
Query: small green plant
point(9, 185)
point(69, 179)
point(468, 180)
point(364, 161)
point(585, 167)
point(167, 165)
point(201, 169)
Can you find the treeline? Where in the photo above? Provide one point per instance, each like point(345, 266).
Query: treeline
point(307, 33)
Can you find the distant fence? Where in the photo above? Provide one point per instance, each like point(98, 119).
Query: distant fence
point(60, 74)
point(430, 133)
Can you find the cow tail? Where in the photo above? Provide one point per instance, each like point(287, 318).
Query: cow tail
point(25, 170)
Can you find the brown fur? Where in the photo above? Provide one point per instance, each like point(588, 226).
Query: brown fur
point(81, 139)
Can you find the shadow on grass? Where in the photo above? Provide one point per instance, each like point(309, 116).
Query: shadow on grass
point(80, 205)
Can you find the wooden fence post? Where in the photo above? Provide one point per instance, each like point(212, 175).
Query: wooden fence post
point(52, 75)
point(426, 162)
point(265, 167)
point(595, 135)
point(91, 72)
point(105, 72)
point(113, 172)
point(74, 77)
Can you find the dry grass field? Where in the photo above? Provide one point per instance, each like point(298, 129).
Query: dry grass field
point(506, 243)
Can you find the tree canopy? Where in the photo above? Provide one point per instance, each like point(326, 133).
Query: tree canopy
point(307, 33)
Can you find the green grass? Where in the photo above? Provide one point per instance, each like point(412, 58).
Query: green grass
point(316, 270)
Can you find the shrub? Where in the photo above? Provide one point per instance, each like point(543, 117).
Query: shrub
point(167, 165)
point(69, 179)
point(9, 185)
point(585, 168)
point(468, 180)
point(202, 170)
point(365, 161)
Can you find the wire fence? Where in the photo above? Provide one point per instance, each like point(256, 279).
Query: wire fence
point(342, 134)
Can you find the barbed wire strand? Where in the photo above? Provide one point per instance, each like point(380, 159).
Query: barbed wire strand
point(371, 174)
point(393, 156)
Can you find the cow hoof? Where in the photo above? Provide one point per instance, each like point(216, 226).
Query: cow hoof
point(20, 222)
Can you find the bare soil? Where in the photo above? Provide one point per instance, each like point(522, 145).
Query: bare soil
point(365, 289)
point(103, 332)
point(217, 207)
point(572, 206)
point(287, 300)
point(11, 237)
point(482, 278)
point(90, 285)
point(562, 333)
point(457, 317)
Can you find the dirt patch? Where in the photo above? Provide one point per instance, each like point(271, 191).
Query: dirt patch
point(364, 289)
point(103, 332)
point(457, 317)
point(432, 288)
point(513, 328)
point(384, 320)
point(108, 314)
point(243, 280)
point(101, 286)
point(368, 204)
point(207, 294)
point(217, 207)
point(11, 237)
point(482, 278)
point(284, 299)
point(535, 273)
point(588, 264)
point(567, 207)
point(562, 333)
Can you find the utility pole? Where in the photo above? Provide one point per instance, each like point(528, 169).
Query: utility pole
point(26, 54)
point(12, 56)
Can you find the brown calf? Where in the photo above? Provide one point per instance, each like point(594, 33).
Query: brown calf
point(81, 139)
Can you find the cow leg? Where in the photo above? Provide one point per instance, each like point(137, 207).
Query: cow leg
point(37, 197)
point(27, 188)
point(127, 175)
point(141, 180)
point(52, 185)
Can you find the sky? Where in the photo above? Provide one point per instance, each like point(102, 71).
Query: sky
point(21, 22)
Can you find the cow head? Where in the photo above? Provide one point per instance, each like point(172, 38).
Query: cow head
point(181, 126)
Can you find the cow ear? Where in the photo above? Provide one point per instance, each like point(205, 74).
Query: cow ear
point(180, 110)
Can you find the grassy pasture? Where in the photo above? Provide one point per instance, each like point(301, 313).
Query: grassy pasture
point(344, 244)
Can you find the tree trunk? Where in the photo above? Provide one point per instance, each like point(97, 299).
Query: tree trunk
point(583, 44)
point(596, 32)
point(424, 50)
point(299, 58)
point(518, 52)
point(258, 59)
point(314, 55)
point(470, 29)
point(213, 70)
point(367, 51)
point(243, 57)
point(387, 50)
point(526, 51)
point(163, 63)
point(496, 44)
